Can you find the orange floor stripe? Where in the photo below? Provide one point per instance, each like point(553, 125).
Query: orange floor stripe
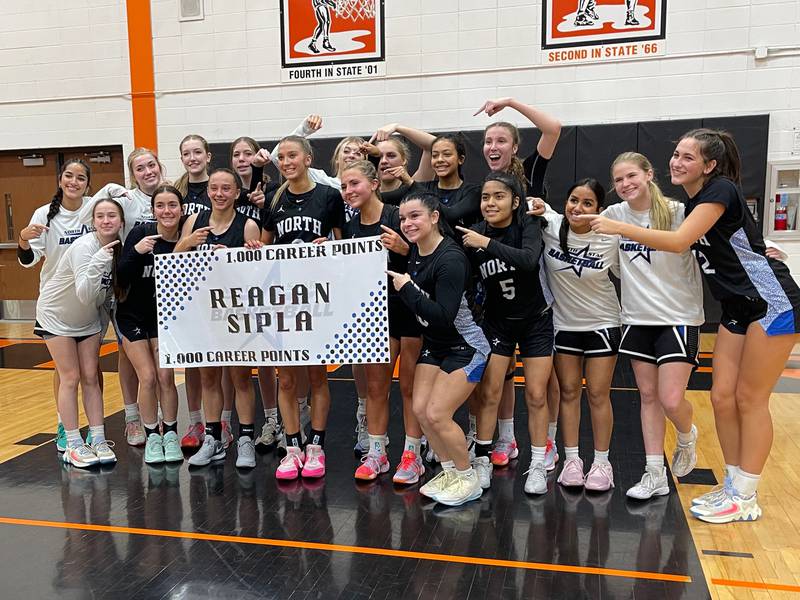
point(105, 350)
point(757, 585)
point(469, 560)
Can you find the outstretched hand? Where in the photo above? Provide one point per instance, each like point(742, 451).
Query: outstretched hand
point(399, 279)
point(491, 107)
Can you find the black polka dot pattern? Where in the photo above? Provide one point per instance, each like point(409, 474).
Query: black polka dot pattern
point(180, 275)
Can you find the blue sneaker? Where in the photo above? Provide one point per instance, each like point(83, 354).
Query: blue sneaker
point(61, 438)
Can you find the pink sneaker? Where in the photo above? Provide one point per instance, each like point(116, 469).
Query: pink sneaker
point(371, 466)
point(550, 455)
point(290, 465)
point(194, 437)
point(504, 451)
point(315, 461)
point(409, 470)
point(227, 434)
point(600, 477)
point(572, 473)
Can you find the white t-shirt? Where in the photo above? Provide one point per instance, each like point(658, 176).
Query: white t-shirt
point(71, 301)
point(136, 205)
point(64, 229)
point(584, 296)
point(658, 288)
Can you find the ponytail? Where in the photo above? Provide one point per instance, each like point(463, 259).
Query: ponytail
point(55, 205)
point(719, 146)
point(182, 185)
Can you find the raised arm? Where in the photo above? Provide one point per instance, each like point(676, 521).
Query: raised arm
point(421, 139)
point(549, 126)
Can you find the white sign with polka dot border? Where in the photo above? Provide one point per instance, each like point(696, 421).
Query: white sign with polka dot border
point(296, 304)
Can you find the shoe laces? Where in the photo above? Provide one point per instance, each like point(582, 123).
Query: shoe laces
point(407, 460)
point(84, 449)
point(293, 458)
point(100, 445)
point(372, 460)
point(537, 469)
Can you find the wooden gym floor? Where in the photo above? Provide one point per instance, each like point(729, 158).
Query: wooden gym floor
point(167, 532)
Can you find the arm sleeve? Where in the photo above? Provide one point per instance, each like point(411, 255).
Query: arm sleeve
point(525, 258)
point(130, 262)
point(110, 190)
point(535, 168)
point(320, 176)
point(88, 270)
point(256, 177)
point(451, 278)
point(469, 206)
point(301, 131)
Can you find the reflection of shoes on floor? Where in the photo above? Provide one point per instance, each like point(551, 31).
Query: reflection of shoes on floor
point(463, 517)
point(315, 488)
point(327, 45)
point(570, 497)
point(172, 473)
point(652, 512)
point(247, 479)
point(155, 474)
point(292, 489)
point(375, 495)
point(599, 502)
point(537, 506)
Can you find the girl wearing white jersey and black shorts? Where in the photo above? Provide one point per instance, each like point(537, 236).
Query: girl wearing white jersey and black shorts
point(760, 312)
point(302, 211)
point(72, 312)
point(662, 310)
point(454, 350)
point(52, 229)
point(586, 316)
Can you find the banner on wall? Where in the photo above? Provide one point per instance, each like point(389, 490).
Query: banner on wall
point(295, 304)
point(331, 40)
point(575, 31)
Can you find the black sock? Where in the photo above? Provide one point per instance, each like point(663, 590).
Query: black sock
point(173, 427)
point(294, 439)
point(214, 429)
point(148, 431)
point(482, 449)
point(247, 430)
point(316, 437)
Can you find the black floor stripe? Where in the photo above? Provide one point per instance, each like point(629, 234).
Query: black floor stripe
point(724, 553)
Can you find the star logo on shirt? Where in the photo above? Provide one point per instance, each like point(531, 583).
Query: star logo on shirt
point(495, 341)
point(137, 331)
point(426, 353)
point(583, 256)
point(643, 254)
point(279, 209)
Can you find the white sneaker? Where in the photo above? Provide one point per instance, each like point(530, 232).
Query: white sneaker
point(483, 469)
point(82, 456)
point(104, 453)
point(362, 435)
point(715, 495)
point(211, 450)
point(270, 433)
point(650, 485)
point(732, 507)
point(685, 456)
point(460, 489)
point(537, 479)
point(436, 484)
point(245, 452)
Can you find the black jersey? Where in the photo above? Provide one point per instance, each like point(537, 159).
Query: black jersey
point(196, 199)
point(135, 272)
point(232, 237)
point(390, 217)
point(304, 217)
point(535, 168)
point(437, 296)
point(395, 197)
point(732, 257)
point(243, 204)
point(509, 269)
point(460, 206)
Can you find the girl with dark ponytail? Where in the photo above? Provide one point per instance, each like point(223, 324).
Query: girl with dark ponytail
point(760, 311)
point(52, 230)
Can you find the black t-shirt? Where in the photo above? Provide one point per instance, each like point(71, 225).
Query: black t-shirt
point(196, 199)
point(460, 206)
point(509, 269)
point(732, 253)
point(232, 237)
point(390, 217)
point(304, 217)
point(136, 273)
point(535, 168)
point(243, 204)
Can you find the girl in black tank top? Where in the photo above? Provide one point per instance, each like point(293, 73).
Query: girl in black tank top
point(222, 226)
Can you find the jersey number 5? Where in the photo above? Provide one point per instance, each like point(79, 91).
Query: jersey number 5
point(507, 287)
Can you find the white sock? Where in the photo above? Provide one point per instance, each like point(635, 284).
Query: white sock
point(571, 452)
point(151, 425)
point(195, 416)
point(473, 424)
point(226, 415)
point(551, 430)
point(74, 439)
point(654, 463)
point(449, 465)
point(377, 444)
point(537, 454)
point(506, 427)
point(131, 412)
point(601, 457)
point(169, 423)
point(58, 416)
point(413, 444)
point(686, 438)
point(271, 413)
point(98, 434)
point(468, 472)
point(745, 483)
point(731, 470)
point(362, 406)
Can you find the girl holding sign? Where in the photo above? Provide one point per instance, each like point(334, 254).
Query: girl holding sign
point(223, 227)
point(302, 211)
point(72, 312)
point(454, 350)
point(138, 323)
point(360, 190)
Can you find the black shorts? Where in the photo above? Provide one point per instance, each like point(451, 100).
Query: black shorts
point(533, 336)
point(402, 322)
point(738, 312)
point(46, 335)
point(455, 357)
point(134, 330)
point(660, 344)
point(591, 344)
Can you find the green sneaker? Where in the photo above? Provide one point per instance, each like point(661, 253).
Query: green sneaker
point(154, 449)
point(61, 438)
point(172, 447)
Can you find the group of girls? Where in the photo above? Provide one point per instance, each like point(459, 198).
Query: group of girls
point(477, 274)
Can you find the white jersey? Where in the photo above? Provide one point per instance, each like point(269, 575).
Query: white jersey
point(71, 302)
point(64, 228)
point(135, 203)
point(584, 296)
point(658, 288)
